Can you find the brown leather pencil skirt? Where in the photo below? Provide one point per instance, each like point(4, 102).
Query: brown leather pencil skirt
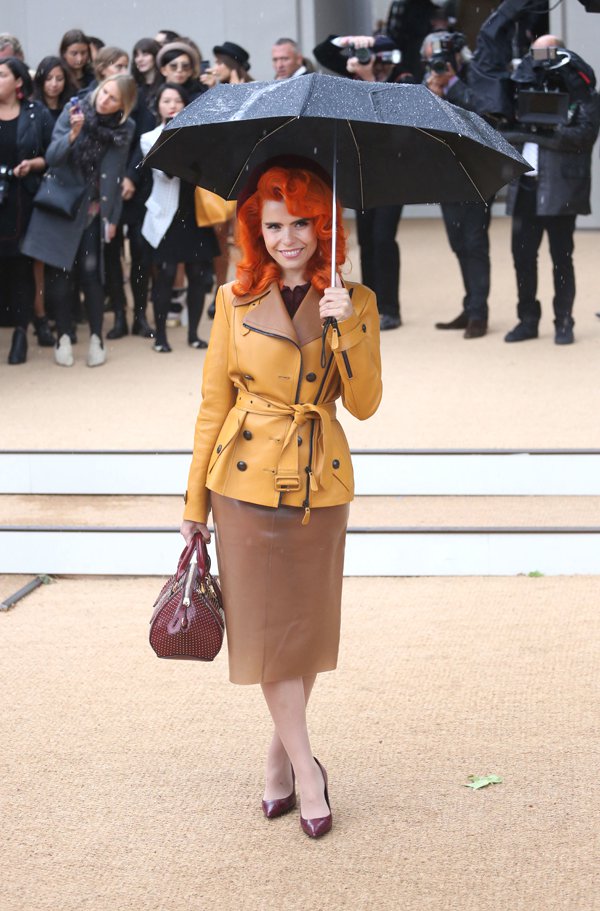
point(282, 588)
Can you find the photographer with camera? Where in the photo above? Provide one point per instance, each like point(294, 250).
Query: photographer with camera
point(557, 118)
point(372, 59)
point(467, 223)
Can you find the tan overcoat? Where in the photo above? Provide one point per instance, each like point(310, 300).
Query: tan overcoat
point(266, 431)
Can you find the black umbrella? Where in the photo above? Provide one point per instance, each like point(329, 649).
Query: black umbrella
point(384, 143)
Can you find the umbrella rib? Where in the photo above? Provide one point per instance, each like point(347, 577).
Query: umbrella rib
point(362, 196)
point(443, 142)
point(255, 146)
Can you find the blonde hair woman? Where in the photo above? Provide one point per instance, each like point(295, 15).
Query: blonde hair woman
point(87, 157)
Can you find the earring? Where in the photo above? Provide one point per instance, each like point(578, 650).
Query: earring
point(20, 95)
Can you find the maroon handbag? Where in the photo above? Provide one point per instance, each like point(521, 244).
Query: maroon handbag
point(188, 621)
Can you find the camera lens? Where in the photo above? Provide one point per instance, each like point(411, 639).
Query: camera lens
point(363, 54)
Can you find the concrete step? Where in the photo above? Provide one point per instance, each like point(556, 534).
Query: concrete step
point(398, 513)
point(388, 536)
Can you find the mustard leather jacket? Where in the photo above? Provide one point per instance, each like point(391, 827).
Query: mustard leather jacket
point(266, 431)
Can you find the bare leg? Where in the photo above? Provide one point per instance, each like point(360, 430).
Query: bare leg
point(278, 776)
point(286, 700)
point(39, 303)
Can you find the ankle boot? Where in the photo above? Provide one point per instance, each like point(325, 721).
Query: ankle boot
point(43, 331)
point(141, 326)
point(18, 348)
point(120, 327)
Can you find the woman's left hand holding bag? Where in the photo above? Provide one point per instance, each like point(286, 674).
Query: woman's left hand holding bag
point(189, 529)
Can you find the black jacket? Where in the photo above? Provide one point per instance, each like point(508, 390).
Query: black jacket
point(34, 132)
point(564, 161)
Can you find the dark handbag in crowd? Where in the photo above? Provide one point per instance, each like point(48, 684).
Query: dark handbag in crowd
point(58, 197)
point(188, 621)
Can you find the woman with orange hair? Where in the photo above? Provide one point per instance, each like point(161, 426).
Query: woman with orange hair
point(273, 463)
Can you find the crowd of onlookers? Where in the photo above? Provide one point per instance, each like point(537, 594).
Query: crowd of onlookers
point(74, 131)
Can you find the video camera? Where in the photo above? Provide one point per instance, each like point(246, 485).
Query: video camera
point(549, 79)
point(444, 48)
point(366, 54)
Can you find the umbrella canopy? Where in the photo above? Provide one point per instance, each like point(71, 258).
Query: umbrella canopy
point(391, 143)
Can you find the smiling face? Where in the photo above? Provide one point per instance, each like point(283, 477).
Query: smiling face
point(108, 99)
point(54, 83)
point(291, 241)
point(144, 61)
point(178, 70)
point(169, 104)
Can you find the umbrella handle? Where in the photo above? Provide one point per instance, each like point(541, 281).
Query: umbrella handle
point(333, 203)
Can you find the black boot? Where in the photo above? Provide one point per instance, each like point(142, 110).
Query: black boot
point(120, 327)
point(43, 331)
point(141, 326)
point(522, 332)
point(460, 322)
point(18, 348)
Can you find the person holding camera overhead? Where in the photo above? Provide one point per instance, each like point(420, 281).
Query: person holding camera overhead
point(550, 197)
point(373, 59)
point(467, 223)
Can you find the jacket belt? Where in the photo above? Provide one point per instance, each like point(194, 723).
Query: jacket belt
point(288, 471)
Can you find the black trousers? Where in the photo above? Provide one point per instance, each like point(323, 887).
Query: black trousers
point(113, 272)
point(380, 255)
point(527, 232)
point(199, 276)
point(61, 285)
point(139, 277)
point(467, 227)
point(17, 290)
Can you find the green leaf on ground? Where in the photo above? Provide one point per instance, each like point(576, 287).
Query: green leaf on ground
point(535, 574)
point(46, 580)
point(482, 781)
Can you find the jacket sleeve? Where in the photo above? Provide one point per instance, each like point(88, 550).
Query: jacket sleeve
point(218, 398)
point(121, 154)
point(358, 356)
point(60, 147)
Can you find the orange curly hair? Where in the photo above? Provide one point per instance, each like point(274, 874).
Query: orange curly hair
point(306, 195)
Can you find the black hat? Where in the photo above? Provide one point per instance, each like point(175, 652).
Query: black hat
point(237, 53)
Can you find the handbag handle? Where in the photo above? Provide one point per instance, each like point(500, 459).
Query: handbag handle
point(197, 545)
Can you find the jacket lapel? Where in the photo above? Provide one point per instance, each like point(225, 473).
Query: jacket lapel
point(269, 314)
point(307, 322)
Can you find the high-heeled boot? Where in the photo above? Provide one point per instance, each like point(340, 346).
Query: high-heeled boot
point(43, 331)
point(18, 348)
point(141, 326)
point(120, 327)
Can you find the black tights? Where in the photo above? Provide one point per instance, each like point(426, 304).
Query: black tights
point(62, 285)
point(139, 276)
point(199, 276)
point(17, 289)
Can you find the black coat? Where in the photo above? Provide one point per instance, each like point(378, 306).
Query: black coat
point(564, 161)
point(54, 239)
point(34, 132)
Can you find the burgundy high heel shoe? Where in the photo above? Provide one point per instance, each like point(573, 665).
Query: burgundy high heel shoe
point(281, 805)
point(315, 828)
